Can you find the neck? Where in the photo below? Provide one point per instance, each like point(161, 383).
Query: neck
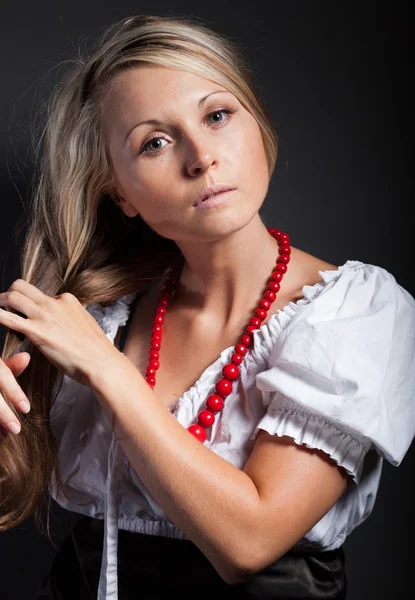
point(223, 279)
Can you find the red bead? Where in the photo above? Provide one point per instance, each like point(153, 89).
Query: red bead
point(156, 329)
point(156, 337)
point(163, 302)
point(161, 310)
point(158, 319)
point(283, 258)
point(155, 363)
point(166, 294)
point(274, 232)
point(255, 321)
point(150, 371)
point(281, 267)
point(153, 354)
point(265, 304)
point(250, 329)
point(230, 371)
point(284, 238)
point(269, 296)
point(151, 380)
point(206, 418)
point(155, 345)
point(284, 248)
point(261, 313)
point(237, 358)
point(215, 403)
point(276, 276)
point(245, 340)
point(198, 432)
point(240, 349)
point(274, 286)
point(223, 387)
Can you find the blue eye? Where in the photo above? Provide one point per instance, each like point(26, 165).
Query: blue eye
point(147, 149)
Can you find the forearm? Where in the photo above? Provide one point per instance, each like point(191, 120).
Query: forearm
point(210, 500)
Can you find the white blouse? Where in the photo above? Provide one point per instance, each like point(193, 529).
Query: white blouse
point(334, 371)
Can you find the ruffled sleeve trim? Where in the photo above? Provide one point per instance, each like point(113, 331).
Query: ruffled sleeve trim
point(113, 316)
point(346, 448)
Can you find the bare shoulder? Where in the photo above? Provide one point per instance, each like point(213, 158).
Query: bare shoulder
point(311, 263)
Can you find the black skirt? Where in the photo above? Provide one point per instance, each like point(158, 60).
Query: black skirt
point(152, 567)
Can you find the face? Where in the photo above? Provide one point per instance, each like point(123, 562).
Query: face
point(161, 168)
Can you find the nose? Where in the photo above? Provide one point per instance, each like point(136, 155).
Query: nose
point(200, 158)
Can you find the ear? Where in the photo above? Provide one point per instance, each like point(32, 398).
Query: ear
point(127, 208)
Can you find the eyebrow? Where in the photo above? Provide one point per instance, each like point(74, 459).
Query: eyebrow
point(157, 122)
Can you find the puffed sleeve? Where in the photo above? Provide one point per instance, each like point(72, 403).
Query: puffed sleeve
point(341, 376)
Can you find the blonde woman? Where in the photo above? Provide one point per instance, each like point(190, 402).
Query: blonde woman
point(214, 401)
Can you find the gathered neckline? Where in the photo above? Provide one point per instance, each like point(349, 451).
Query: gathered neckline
point(263, 337)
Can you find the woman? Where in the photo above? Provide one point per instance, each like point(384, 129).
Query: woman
point(293, 376)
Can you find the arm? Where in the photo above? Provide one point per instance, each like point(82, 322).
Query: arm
point(240, 520)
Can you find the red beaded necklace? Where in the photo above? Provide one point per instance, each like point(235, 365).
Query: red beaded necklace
point(230, 372)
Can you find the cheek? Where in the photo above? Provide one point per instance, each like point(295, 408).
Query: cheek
point(148, 184)
point(154, 195)
point(141, 179)
point(253, 160)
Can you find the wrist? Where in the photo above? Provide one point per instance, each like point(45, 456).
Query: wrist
point(106, 370)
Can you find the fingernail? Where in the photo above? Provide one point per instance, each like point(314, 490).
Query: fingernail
point(24, 406)
point(14, 427)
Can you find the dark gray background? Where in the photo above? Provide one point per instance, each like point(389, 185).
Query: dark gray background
point(335, 77)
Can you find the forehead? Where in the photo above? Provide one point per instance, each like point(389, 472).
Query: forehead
point(142, 90)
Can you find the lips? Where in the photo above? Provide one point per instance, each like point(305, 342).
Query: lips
point(213, 190)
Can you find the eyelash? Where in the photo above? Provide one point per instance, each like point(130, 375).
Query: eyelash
point(228, 111)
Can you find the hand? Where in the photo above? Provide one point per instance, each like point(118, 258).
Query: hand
point(9, 370)
point(60, 327)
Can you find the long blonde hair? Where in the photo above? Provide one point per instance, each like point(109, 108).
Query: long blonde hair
point(77, 239)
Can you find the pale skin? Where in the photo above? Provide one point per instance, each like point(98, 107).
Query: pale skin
point(242, 520)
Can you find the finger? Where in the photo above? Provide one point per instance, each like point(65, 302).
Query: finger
point(20, 302)
point(18, 362)
point(15, 395)
point(31, 291)
point(16, 322)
